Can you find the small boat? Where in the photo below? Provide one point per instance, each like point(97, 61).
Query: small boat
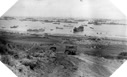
point(13, 26)
point(36, 30)
point(59, 28)
point(70, 26)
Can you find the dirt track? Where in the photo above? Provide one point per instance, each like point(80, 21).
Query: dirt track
point(28, 58)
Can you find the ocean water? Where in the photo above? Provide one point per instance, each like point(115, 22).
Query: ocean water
point(97, 30)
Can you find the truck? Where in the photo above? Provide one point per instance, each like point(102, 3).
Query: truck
point(70, 50)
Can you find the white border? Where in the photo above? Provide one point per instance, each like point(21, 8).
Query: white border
point(6, 4)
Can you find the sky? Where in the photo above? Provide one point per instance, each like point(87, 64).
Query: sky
point(65, 8)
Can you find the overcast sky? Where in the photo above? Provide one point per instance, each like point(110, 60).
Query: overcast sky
point(65, 8)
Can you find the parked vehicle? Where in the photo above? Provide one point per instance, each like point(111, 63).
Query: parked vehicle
point(71, 50)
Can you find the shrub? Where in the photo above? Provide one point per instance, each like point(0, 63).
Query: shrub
point(6, 60)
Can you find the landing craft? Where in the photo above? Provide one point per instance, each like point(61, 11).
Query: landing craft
point(36, 30)
point(78, 29)
point(70, 26)
point(2, 27)
point(13, 26)
point(59, 28)
point(56, 23)
point(91, 27)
